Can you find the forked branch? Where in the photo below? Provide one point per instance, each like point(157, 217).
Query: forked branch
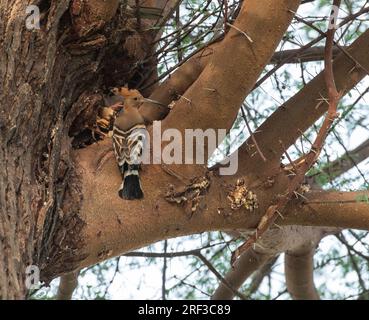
point(275, 210)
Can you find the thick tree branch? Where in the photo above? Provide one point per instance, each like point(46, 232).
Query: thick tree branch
point(112, 230)
point(260, 274)
point(275, 241)
point(68, 283)
point(308, 55)
point(299, 271)
point(301, 111)
point(177, 84)
point(248, 263)
point(180, 80)
point(347, 210)
point(216, 96)
point(310, 158)
point(345, 163)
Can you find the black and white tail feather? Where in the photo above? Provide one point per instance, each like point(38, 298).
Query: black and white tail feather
point(128, 148)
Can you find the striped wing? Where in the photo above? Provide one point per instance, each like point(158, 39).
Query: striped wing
point(128, 145)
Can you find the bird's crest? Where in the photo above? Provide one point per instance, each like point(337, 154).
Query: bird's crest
point(127, 93)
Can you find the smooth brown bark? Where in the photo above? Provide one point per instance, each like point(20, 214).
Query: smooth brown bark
point(248, 263)
point(68, 283)
point(297, 114)
point(299, 270)
point(312, 54)
point(213, 102)
point(112, 230)
point(181, 80)
point(292, 240)
point(347, 210)
point(177, 84)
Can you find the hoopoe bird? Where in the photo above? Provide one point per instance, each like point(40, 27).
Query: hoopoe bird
point(128, 142)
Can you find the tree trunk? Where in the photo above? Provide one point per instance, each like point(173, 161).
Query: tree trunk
point(49, 77)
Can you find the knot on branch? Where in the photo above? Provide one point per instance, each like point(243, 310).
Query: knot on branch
point(191, 196)
point(240, 196)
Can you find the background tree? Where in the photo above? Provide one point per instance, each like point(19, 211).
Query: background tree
point(58, 201)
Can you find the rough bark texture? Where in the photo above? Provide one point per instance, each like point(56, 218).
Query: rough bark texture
point(59, 212)
point(50, 77)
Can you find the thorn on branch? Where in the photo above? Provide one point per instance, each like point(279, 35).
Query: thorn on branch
point(298, 194)
point(188, 100)
point(313, 150)
point(318, 105)
point(271, 214)
point(322, 99)
point(288, 157)
point(252, 136)
point(352, 69)
point(210, 89)
point(280, 214)
point(240, 31)
point(278, 226)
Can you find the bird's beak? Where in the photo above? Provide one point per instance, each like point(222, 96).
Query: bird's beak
point(153, 101)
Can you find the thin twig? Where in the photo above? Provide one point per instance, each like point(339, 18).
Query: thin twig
point(164, 278)
point(252, 135)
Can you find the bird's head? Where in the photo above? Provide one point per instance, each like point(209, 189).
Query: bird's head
point(132, 98)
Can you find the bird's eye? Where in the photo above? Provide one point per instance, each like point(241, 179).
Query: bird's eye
point(136, 98)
